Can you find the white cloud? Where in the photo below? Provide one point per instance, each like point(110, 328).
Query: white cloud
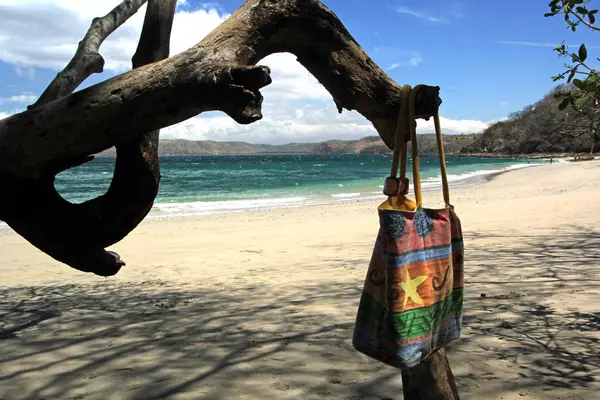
point(528, 44)
point(419, 14)
point(291, 81)
point(190, 27)
point(394, 57)
point(24, 97)
point(540, 44)
point(414, 60)
point(282, 123)
point(33, 32)
point(306, 123)
point(8, 113)
point(25, 72)
point(453, 126)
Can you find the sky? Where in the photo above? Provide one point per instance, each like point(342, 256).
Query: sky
point(489, 58)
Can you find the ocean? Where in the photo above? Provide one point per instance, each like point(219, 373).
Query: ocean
point(196, 185)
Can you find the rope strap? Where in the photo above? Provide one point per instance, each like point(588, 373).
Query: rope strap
point(407, 124)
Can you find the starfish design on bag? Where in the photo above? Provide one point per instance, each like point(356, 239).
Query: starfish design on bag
point(411, 286)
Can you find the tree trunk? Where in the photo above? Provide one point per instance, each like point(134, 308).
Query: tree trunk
point(430, 380)
point(76, 234)
point(595, 138)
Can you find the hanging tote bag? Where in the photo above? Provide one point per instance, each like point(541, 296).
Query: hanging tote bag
point(412, 299)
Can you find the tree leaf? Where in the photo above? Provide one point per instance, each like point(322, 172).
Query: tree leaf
point(578, 83)
point(582, 52)
point(572, 75)
point(592, 19)
point(563, 104)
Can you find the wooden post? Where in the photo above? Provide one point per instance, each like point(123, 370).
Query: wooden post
point(431, 380)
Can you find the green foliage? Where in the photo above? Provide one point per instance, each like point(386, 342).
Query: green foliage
point(583, 96)
point(585, 79)
point(541, 128)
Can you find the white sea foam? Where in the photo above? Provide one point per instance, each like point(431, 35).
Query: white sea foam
point(215, 207)
point(474, 176)
point(345, 195)
point(167, 210)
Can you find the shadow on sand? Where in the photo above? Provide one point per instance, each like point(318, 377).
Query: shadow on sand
point(524, 332)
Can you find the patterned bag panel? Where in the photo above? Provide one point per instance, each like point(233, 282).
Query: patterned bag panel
point(412, 297)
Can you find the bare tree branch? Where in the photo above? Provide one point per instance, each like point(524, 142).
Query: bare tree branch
point(216, 74)
point(87, 60)
point(77, 234)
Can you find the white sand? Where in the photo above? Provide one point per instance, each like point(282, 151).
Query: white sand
point(261, 305)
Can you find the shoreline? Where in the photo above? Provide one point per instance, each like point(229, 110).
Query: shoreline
point(530, 156)
point(343, 198)
point(240, 206)
point(523, 156)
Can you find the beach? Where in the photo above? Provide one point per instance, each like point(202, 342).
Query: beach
point(261, 304)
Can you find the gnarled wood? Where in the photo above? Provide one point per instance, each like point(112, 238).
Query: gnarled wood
point(87, 60)
point(216, 74)
point(77, 234)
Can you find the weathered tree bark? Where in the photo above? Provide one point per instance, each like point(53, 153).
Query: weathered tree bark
point(216, 74)
point(431, 380)
point(78, 233)
point(87, 60)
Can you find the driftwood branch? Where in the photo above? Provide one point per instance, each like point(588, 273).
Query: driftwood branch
point(77, 234)
point(216, 74)
point(87, 60)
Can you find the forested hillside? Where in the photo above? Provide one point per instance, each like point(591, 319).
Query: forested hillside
point(540, 128)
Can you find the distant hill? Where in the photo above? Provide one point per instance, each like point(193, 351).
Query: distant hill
point(370, 144)
point(538, 128)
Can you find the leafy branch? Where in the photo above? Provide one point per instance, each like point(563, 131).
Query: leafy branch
point(578, 72)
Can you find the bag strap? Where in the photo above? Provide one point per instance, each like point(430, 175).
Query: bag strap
point(401, 133)
point(407, 122)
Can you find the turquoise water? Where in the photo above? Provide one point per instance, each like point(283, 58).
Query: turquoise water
point(204, 184)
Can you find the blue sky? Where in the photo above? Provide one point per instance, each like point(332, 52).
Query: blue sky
point(489, 60)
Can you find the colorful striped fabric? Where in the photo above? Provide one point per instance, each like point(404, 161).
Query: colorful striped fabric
point(412, 298)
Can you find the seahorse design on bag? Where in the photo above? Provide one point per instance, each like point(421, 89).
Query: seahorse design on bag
point(435, 282)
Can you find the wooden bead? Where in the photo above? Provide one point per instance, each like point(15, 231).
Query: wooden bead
point(391, 186)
